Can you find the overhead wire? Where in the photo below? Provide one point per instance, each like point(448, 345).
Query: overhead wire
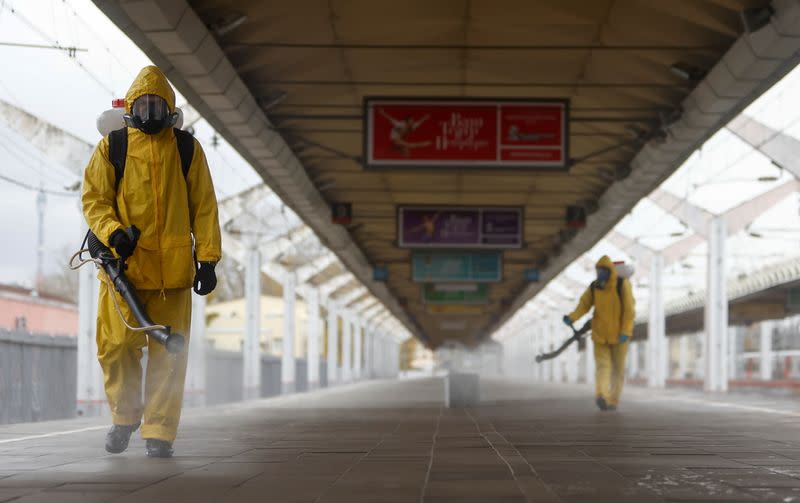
point(33, 188)
point(34, 160)
point(47, 37)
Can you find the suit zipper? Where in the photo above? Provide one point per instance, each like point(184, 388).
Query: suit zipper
point(156, 197)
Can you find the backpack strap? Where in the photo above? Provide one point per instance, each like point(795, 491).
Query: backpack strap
point(592, 287)
point(185, 142)
point(118, 152)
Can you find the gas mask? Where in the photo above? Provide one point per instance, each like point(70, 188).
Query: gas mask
point(150, 114)
point(603, 275)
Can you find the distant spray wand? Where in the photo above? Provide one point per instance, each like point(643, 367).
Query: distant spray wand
point(576, 336)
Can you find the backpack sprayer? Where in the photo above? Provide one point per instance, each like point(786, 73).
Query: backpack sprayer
point(114, 270)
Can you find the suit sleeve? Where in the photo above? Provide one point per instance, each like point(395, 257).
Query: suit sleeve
point(203, 210)
point(99, 194)
point(585, 304)
point(628, 308)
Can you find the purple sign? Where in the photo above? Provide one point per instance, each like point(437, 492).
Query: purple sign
point(502, 228)
point(448, 227)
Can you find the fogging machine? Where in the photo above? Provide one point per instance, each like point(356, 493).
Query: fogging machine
point(114, 268)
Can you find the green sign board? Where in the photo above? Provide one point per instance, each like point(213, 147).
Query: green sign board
point(464, 267)
point(473, 293)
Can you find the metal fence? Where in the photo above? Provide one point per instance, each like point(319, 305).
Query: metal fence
point(38, 377)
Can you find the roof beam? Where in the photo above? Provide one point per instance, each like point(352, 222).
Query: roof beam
point(694, 216)
point(781, 148)
point(307, 270)
point(334, 283)
point(739, 217)
point(350, 296)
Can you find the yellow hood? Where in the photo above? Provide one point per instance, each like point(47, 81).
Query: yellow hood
point(606, 262)
point(150, 81)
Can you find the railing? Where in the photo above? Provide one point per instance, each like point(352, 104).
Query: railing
point(38, 377)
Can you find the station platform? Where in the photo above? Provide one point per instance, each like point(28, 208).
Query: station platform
point(393, 441)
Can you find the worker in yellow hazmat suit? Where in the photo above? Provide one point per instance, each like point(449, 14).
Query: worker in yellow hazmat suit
point(176, 211)
point(612, 327)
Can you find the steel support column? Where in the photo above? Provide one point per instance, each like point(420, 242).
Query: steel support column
point(333, 345)
point(347, 348)
point(765, 350)
point(716, 310)
point(195, 387)
point(657, 349)
point(358, 349)
point(314, 327)
point(91, 395)
point(251, 347)
point(288, 381)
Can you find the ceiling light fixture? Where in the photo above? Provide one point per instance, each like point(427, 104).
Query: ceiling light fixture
point(228, 24)
point(268, 102)
point(687, 71)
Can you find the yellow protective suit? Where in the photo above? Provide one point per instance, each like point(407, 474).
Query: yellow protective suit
point(613, 316)
point(169, 209)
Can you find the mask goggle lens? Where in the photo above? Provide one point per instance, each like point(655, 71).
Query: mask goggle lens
point(150, 107)
point(603, 274)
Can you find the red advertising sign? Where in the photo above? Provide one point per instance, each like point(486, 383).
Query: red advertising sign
point(461, 133)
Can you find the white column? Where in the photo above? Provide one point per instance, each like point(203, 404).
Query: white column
point(541, 344)
point(572, 363)
point(195, 387)
point(716, 311)
point(91, 394)
point(558, 363)
point(288, 383)
point(633, 359)
point(368, 356)
point(333, 345)
point(395, 359)
point(657, 348)
point(347, 348)
point(589, 361)
point(314, 327)
point(358, 350)
point(683, 356)
point(548, 364)
point(733, 334)
point(251, 348)
point(377, 347)
point(765, 348)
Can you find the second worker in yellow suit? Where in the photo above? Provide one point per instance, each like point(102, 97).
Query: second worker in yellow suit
point(176, 213)
point(612, 327)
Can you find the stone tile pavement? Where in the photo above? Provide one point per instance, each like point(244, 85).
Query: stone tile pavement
point(392, 441)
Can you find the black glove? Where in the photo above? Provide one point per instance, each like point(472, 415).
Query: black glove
point(567, 320)
point(205, 279)
point(122, 243)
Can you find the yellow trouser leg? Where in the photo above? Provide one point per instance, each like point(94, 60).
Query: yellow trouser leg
point(166, 372)
point(119, 352)
point(618, 354)
point(602, 365)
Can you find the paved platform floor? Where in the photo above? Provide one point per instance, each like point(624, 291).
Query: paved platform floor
point(391, 441)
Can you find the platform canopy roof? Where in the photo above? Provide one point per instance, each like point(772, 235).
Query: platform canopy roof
point(285, 82)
